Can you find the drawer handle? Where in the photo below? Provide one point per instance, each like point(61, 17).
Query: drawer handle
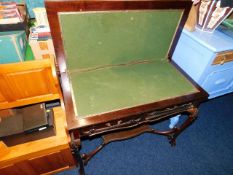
point(223, 60)
point(220, 81)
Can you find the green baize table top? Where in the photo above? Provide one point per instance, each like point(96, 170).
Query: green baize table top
point(118, 60)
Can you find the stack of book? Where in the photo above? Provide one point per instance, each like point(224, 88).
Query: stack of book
point(9, 13)
point(40, 33)
point(40, 36)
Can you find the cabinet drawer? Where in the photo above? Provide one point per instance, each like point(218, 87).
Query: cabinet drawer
point(27, 83)
point(222, 58)
point(219, 82)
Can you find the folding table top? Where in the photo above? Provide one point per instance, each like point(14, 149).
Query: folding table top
point(116, 88)
point(118, 60)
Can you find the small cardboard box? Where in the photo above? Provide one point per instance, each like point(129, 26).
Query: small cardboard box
point(13, 46)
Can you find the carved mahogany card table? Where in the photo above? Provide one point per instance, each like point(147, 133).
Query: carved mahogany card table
point(115, 69)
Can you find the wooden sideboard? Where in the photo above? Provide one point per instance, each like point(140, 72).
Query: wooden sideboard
point(43, 156)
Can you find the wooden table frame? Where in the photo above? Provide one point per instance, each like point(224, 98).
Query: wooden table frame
point(126, 122)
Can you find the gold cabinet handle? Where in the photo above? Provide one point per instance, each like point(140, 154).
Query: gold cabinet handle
point(223, 60)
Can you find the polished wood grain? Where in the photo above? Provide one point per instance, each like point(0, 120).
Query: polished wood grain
point(27, 83)
point(43, 156)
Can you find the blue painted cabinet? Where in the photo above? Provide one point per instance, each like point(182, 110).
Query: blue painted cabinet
point(208, 59)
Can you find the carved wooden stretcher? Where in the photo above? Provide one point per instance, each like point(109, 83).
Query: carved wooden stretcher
point(115, 66)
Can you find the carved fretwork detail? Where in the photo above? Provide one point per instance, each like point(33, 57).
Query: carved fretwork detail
point(134, 120)
point(139, 125)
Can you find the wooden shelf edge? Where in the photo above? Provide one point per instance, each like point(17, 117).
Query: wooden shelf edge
point(40, 147)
